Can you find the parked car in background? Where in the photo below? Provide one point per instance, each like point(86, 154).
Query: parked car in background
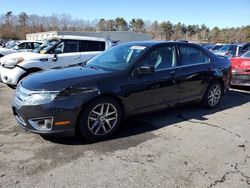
point(208, 46)
point(245, 48)
point(125, 80)
point(57, 52)
point(6, 42)
point(241, 70)
point(9, 44)
point(15, 47)
point(216, 47)
point(3, 43)
point(229, 50)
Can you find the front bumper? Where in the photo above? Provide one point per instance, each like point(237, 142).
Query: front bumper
point(58, 110)
point(11, 76)
point(239, 79)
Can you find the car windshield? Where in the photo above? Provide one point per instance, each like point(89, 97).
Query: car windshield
point(117, 58)
point(226, 47)
point(46, 46)
point(247, 54)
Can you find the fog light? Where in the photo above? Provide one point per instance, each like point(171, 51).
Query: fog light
point(42, 123)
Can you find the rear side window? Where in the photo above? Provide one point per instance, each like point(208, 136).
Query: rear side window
point(70, 47)
point(88, 46)
point(25, 45)
point(21, 46)
point(191, 56)
point(67, 47)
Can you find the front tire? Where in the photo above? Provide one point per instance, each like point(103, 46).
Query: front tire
point(100, 118)
point(212, 96)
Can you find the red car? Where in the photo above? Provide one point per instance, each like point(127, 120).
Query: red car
point(241, 70)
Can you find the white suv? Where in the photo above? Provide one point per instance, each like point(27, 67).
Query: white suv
point(57, 52)
point(23, 45)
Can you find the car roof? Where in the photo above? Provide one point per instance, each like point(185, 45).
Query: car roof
point(154, 42)
point(21, 41)
point(72, 37)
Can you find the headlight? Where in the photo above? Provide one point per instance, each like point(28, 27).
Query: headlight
point(34, 98)
point(40, 98)
point(12, 62)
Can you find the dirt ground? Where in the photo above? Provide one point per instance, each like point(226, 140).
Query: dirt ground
point(186, 146)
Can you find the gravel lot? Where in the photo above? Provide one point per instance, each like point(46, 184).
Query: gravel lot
point(186, 146)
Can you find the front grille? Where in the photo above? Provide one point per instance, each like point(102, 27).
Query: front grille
point(240, 79)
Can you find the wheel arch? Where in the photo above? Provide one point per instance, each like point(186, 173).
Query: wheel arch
point(107, 95)
point(220, 80)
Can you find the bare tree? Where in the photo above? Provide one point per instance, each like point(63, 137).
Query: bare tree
point(17, 26)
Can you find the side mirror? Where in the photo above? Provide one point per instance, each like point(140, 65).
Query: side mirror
point(146, 70)
point(54, 58)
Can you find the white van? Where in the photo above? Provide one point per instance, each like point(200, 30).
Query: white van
point(61, 51)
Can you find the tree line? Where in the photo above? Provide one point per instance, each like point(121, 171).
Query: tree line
point(17, 26)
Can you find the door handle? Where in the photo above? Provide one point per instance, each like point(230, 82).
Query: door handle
point(172, 73)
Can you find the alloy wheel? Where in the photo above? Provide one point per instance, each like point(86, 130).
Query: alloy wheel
point(102, 119)
point(214, 95)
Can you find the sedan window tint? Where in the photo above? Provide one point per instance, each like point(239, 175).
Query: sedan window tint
point(28, 45)
point(21, 46)
point(161, 58)
point(67, 47)
point(70, 47)
point(89, 46)
point(190, 55)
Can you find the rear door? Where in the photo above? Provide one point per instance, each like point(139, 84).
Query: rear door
point(194, 70)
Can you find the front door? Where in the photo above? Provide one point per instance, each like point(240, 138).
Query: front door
point(153, 91)
point(66, 53)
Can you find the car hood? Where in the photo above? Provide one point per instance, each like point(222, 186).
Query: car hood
point(25, 55)
point(240, 63)
point(59, 79)
point(5, 51)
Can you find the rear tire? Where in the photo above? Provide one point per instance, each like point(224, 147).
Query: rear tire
point(212, 96)
point(100, 118)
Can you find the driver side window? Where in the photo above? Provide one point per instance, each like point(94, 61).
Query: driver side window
point(59, 48)
point(161, 58)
